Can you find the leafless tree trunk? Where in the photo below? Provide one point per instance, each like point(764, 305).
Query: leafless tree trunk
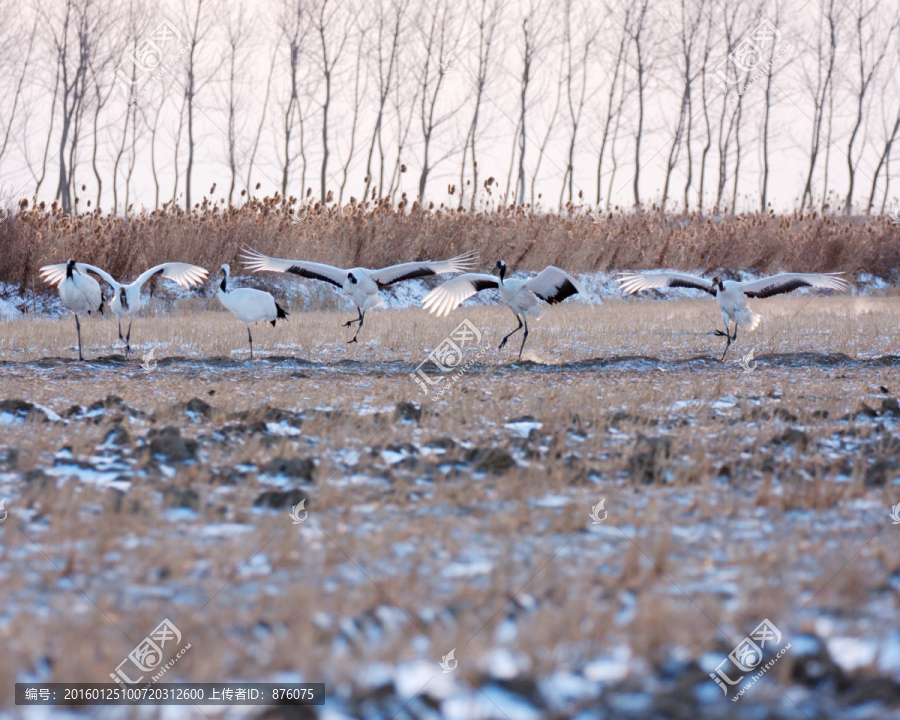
point(870, 53)
point(387, 76)
point(323, 22)
point(239, 29)
point(576, 91)
point(826, 52)
point(534, 25)
point(78, 37)
point(262, 121)
point(618, 66)
point(440, 38)
point(294, 26)
point(642, 76)
point(197, 34)
point(687, 35)
point(487, 25)
point(358, 96)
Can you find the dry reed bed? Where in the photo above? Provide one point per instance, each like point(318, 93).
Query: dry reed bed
point(357, 235)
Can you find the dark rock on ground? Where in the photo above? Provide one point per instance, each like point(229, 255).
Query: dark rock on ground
point(169, 444)
point(277, 500)
point(299, 468)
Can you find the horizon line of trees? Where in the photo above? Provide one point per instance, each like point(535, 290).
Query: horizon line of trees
point(719, 104)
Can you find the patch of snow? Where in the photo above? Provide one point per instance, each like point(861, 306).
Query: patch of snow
point(420, 676)
point(850, 653)
point(551, 501)
point(612, 667)
point(467, 569)
point(225, 529)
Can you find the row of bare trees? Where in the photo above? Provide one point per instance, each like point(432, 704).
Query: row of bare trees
point(715, 105)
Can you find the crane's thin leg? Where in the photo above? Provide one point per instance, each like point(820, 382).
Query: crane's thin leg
point(78, 327)
point(503, 342)
point(250, 335)
point(728, 344)
point(358, 320)
point(362, 318)
point(120, 330)
point(524, 339)
point(128, 337)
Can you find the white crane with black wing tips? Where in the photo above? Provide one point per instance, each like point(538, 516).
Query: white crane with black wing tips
point(359, 284)
point(249, 305)
point(126, 301)
point(732, 295)
point(78, 292)
point(551, 285)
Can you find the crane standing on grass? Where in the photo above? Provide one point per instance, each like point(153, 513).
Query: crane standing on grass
point(126, 301)
point(249, 305)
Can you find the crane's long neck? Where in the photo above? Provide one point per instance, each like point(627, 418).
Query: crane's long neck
point(502, 273)
point(224, 283)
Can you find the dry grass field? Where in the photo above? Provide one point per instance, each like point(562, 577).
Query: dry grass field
point(733, 493)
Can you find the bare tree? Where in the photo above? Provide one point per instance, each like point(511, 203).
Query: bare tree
point(576, 76)
point(198, 33)
point(489, 18)
point(74, 43)
point(873, 36)
point(10, 50)
point(618, 69)
point(441, 36)
point(642, 69)
point(820, 86)
point(324, 18)
point(239, 29)
point(294, 25)
point(687, 35)
point(534, 34)
point(359, 92)
point(385, 52)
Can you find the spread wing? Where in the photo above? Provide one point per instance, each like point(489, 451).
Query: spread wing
point(184, 274)
point(450, 294)
point(553, 285)
point(408, 271)
point(55, 274)
point(314, 271)
point(635, 282)
point(785, 282)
